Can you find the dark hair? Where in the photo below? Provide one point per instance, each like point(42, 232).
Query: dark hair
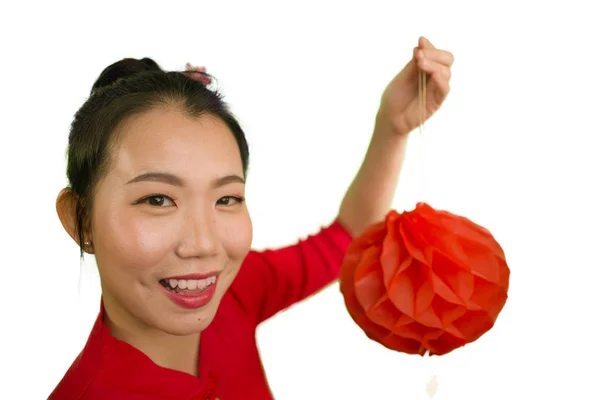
point(126, 88)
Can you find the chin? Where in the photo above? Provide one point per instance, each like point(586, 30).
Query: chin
point(187, 324)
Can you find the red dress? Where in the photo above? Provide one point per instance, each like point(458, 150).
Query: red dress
point(229, 366)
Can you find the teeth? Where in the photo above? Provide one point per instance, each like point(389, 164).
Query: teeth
point(191, 284)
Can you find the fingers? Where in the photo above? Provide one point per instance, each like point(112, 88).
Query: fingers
point(424, 43)
point(436, 55)
point(427, 50)
point(442, 85)
point(432, 67)
point(440, 56)
point(437, 64)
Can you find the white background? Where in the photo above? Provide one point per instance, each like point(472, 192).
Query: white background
point(515, 148)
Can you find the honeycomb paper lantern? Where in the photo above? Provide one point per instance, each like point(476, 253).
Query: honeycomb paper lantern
point(424, 281)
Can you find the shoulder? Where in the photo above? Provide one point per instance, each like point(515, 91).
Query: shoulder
point(93, 388)
point(75, 383)
point(272, 279)
point(84, 371)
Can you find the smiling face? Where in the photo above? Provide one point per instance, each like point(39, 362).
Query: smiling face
point(170, 207)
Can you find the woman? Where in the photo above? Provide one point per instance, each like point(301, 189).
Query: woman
point(156, 166)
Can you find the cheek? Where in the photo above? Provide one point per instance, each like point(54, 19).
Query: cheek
point(128, 242)
point(236, 237)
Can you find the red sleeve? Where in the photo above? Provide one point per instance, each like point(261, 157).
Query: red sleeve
point(271, 280)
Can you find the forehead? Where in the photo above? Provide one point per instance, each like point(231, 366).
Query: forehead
point(168, 140)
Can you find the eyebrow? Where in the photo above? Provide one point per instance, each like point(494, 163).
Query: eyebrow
point(174, 180)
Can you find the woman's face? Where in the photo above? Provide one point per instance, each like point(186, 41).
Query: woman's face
point(169, 226)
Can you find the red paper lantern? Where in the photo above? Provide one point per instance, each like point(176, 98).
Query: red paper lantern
point(425, 280)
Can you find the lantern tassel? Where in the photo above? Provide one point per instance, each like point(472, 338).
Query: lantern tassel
point(431, 386)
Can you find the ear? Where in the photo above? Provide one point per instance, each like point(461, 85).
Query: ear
point(66, 208)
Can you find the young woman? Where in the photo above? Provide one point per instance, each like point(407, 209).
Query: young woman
point(156, 169)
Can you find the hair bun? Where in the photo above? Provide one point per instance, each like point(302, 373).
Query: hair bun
point(125, 68)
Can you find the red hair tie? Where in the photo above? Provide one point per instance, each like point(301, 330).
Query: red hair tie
point(198, 74)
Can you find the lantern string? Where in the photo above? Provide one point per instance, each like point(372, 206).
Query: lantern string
point(422, 105)
point(431, 377)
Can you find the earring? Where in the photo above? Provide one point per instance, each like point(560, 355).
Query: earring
point(87, 243)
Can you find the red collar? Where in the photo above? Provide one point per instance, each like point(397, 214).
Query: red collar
point(121, 365)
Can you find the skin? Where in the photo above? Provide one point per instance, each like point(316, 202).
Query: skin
point(197, 226)
point(137, 243)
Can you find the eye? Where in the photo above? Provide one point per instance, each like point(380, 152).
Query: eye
point(157, 200)
point(229, 200)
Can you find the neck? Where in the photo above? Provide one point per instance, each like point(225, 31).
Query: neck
point(178, 353)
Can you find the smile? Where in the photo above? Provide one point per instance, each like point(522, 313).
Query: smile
point(189, 293)
point(188, 286)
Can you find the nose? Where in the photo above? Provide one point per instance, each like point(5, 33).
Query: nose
point(198, 237)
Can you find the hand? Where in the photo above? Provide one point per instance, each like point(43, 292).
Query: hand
point(197, 74)
point(399, 106)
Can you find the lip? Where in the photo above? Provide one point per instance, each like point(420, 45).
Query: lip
point(191, 301)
